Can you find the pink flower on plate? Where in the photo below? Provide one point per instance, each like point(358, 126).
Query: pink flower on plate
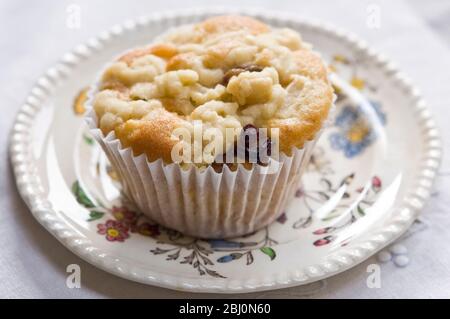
point(113, 230)
point(124, 215)
point(323, 241)
point(325, 230)
point(376, 182)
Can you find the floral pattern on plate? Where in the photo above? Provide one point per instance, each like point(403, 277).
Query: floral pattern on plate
point(123, 222)
point(354, 133)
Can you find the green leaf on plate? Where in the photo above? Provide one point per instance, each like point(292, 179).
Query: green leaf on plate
point(89, 140)
point(269, 252)
point(361, 211)
point(81, 196)
point(94, 215)
point(333, 214)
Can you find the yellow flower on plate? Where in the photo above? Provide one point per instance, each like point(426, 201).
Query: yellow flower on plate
point(78, 103)
point(357, 132)
point(113, 232)
point(341, 59)
point(357, 83)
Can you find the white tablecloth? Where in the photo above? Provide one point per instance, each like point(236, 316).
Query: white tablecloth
point(33, 35)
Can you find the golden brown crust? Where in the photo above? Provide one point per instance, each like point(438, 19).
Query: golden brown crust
point(310, 64)
point(153, 138)
point(165, 51)
point(227, 71)
point(294, 132)
point(179, 61)
point(229, 23)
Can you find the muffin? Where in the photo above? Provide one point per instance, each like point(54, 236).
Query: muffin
point(211, 126)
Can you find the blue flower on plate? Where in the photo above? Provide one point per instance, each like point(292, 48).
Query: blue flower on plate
point(355, 131)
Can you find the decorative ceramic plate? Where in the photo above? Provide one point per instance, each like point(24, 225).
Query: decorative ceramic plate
point(367, 181)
